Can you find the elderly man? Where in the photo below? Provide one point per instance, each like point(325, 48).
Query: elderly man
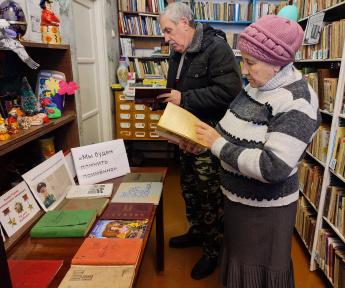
point(205, 77)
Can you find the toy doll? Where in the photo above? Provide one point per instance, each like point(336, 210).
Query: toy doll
point(49, 24)
point(12, 120)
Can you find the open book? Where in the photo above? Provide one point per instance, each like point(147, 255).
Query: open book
point(177, 123)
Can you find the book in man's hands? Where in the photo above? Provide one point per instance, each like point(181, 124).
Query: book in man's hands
point(148, 95)
point(64, 223)
point(177, 123)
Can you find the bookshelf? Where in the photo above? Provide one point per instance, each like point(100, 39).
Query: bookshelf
point(334, 118)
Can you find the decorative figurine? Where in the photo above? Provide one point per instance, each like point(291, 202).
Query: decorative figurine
point(12, 120)
point(49, 24)
point(26, 125)
point(7, 43)
point(29, 102)
point(3, 129)
point(13, 13)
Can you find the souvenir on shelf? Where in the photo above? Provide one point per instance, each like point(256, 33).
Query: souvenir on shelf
point(12, 120)
point(49, 24)
point(14, 14)
point(8, 43)
point(48, 91)
point(3, 129)
point(29, 102)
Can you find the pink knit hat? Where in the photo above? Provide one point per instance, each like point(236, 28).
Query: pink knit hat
point(272, 39)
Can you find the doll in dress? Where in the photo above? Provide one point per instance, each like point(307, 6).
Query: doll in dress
point(49, 24)
point(12, 120)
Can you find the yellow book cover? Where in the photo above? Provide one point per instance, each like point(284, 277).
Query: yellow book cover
point(177, 123)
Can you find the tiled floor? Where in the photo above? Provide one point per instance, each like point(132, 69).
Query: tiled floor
point(179, 262)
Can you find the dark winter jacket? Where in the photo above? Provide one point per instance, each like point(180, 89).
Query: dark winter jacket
point(210, 77)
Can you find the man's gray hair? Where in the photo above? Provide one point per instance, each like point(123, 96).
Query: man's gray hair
point(175, 11)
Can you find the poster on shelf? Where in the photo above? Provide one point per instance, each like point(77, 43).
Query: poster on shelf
point(313, 30)
point(17, 207)
point(50, 181)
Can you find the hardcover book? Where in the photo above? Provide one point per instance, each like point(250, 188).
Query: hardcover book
point(127, 211)
point(134, 229)
point(142, 177)
point(98, 204)
point(148, 95)
point(99, 276)
point(177, 123)
point(138, 192)
point(64, 223)
point(90, 191)
point(33, 273)
point(108, 251)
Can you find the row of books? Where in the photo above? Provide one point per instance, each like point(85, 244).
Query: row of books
point(141, 5)
point(305, 222)
point(310, 180)
point(319, 145)
point(330, 45)
point(127, 46)
point(324, 82)
point(330, 255)
point(148, 67)
point(231, 38)
point(338, 157)
point(310, 7)
point(142, 24)
point(265, 8)
point(334, 207)
point(233, 11)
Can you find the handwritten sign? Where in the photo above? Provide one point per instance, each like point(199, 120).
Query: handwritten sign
point(99, 162)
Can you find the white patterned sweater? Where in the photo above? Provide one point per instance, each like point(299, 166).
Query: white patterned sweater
point(265, 133)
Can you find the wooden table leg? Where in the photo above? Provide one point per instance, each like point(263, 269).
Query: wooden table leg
point(160, 236)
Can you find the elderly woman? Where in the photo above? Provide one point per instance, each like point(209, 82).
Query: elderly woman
point(260, 141)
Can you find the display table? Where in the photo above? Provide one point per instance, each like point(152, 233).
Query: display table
point(65, 248)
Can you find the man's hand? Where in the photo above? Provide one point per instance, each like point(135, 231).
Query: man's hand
point(173, 97)
point(206, 134)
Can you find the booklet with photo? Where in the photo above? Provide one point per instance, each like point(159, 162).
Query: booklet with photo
point(18, 206)
point(50, 181)
point(90, 191)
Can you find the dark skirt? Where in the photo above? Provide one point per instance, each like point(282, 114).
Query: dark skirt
point(256, 248)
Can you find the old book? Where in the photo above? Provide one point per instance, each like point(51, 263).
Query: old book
point(90, 191)
point(142, 177)
point(138, 192)
point(98, 204)
point(177, 123)
point(108, 251)
point(33, 273)
point(64, 223)
point(134, 229)
point(148, 95)
point(128, 211)
point(322, 74)
point(99, 276)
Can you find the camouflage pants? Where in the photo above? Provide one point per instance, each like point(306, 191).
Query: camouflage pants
point(204, 199)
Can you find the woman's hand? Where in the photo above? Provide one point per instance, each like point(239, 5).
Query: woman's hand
point(206, 134)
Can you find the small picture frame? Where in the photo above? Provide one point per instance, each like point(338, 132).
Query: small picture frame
point(165, 48)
